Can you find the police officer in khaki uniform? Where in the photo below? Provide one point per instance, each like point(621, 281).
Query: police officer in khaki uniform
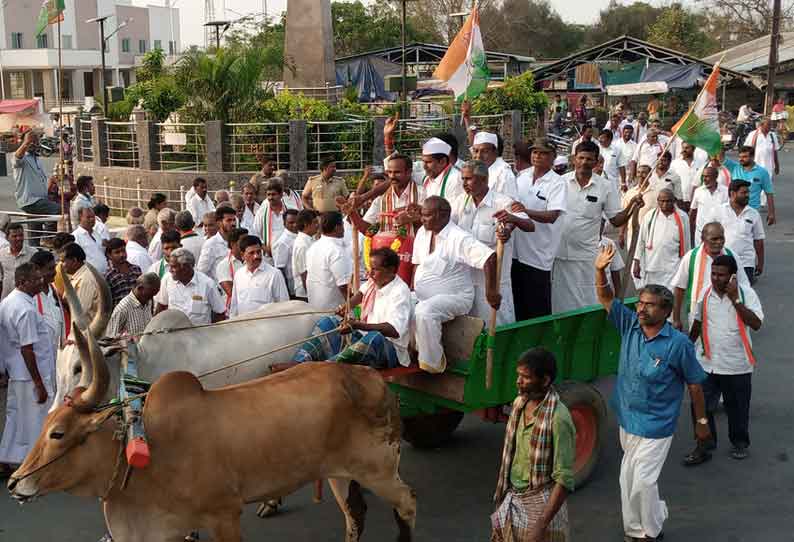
point(321, 190)
point(261, 178)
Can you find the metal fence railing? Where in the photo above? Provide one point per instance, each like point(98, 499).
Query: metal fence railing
point(121, 199)
point(182, 146)
point(246, 141)
point(348, 142)
point(85, 140)
point(122, 144)
point(411, 133)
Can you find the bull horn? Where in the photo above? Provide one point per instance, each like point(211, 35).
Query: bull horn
point(100, 377)
point(86, 363)
point(102, 316)
point(75, 307)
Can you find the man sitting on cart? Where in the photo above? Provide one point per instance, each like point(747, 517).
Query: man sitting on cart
point(380, 337)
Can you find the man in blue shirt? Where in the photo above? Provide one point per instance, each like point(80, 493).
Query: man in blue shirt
point(656, 361)
point(747, 169)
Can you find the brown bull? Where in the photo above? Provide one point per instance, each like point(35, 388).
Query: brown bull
point(215, 451)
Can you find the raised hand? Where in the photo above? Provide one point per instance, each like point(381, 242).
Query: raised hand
point(604, 257)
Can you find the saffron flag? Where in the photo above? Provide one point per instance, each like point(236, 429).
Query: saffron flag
point(51, 13)
point(700, 127)
point(464, 67)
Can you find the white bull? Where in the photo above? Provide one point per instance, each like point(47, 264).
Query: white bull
point(207, 348)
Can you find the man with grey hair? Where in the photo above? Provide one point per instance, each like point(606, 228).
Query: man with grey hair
point(646, 154)
point(134, 311)
point(656, 361)
point(191, 240)
point(165, 221)
point(221, 197)
point(136, 247)
point(190, 291)
point(475, 212)
point(664, 240)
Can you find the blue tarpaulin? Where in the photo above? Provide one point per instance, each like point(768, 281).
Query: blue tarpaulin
point(367, 76)
point(674, 76)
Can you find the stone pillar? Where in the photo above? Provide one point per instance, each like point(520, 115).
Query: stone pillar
point(378, 144)
point(512, 128)
point(459, 130)
point(309, 45)
point(148, 148)
point(78, 139)
point(214, 134)
point(298, 151)
point(99, 141)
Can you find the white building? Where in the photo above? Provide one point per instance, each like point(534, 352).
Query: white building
point(29, 65)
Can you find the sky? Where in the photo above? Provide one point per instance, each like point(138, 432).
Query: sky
point(192, 12)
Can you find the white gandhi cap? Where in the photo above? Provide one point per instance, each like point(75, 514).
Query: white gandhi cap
point(481, 138)
point(435, 146)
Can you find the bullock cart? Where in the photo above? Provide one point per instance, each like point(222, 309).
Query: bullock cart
point(586, 346)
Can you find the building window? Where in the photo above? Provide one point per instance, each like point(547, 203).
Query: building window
point(158, 45)
point(41, 41)
point(66, 41)
point(171, 47)
point(17, 83)
point(125, 45)
point(16, 40)
point(141, 46)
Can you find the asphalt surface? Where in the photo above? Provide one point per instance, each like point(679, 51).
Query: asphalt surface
point(721, 501)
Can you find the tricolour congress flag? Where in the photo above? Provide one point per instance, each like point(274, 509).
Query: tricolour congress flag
point(701, 125)
point(51, 12)
point(464, 68)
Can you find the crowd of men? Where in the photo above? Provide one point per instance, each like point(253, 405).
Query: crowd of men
point(689, 224)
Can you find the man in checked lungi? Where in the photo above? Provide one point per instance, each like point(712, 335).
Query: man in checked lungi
point(537, 460)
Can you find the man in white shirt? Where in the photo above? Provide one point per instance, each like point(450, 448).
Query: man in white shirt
point(664, 177)
point(84, 198)
point(48, 302)
point(308, 225)
point(646, 154)
point(12, 255)
point(200, 204)
point(694, 270)
point(269, 219)
point(441, 177)
point(744, 229)
point(615, 126)
point(165, 221)
point(445, 255)
point(501, 178)
point(250, 207)
point(30, 363)
point(282, 248)
point(170, 241)
point(381, 336)
point(190, 291)
point(706, 201)
point(256, 283)
point(613, 158)
point(542, 196)
point(641, 127)
point(477, 212)
point(84, 236)
point(766, 145)
point(687, 168)
point(590, 198)
point(664, 240)
point(227, 267)
point(626, 146)
point(724, 317)
point(217, 247)
point(101, 214)
point(587, 135)
point(329, 265)
point(137, 254)
point(189, 238)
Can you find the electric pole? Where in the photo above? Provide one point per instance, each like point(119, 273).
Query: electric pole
point(773, 47)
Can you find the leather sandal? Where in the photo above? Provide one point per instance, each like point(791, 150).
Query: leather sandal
point(696, 457)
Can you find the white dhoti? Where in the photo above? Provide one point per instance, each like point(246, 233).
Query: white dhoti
point(663, 278)
point(481, 309)
point(24, 419)
point(429, 315)
point(643, 458)
point(572, 285)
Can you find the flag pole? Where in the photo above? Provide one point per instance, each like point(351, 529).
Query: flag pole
point(61, 166)
point(644, 185)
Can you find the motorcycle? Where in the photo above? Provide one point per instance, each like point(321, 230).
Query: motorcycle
point(48, 146)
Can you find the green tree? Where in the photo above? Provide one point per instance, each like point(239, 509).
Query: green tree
point(518, 93)
point(681, 30)
point(533, 27)
point(359, 28)
point(618, 20)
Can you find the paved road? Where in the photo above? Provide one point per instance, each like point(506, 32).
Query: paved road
point(723, 501)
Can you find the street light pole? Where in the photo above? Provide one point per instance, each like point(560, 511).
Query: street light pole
point(103, 47)
point(404, 88)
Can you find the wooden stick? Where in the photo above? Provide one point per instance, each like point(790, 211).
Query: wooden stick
point(356, 261)
point(500, 251)
point(318, 491)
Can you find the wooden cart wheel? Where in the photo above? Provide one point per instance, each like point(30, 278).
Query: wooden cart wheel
point(431, 430)
point(589, 413)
